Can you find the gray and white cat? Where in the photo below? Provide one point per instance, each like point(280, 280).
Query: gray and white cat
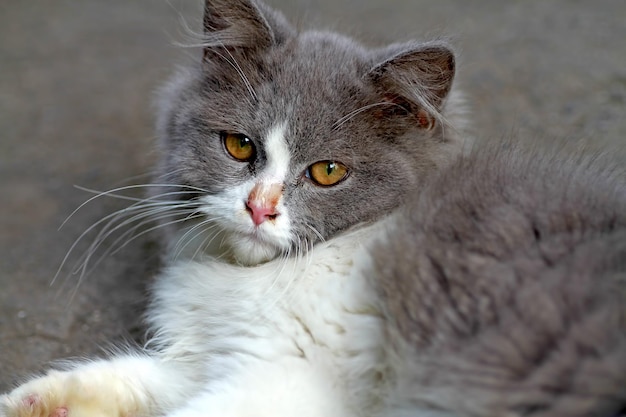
point(327, 256)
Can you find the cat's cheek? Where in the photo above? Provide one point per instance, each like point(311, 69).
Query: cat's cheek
point(280, 229)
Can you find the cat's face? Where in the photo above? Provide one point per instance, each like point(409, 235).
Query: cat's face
point(289, 139)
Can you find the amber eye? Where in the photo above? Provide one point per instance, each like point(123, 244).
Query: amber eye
point(327, 172)
point(238, 146)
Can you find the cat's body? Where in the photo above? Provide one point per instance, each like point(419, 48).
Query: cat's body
point(296, 283)
point(512, 298)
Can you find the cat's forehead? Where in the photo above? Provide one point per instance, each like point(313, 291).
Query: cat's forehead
point(318, 63)
point(316, 80)
point(327, 52)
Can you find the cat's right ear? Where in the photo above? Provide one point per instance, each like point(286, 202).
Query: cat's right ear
point(242, 24)
point(416, 77)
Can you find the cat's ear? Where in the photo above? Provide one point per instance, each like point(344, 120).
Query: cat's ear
point(246, 24)
point(415, 77)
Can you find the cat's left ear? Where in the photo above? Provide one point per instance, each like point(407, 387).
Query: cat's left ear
point(416, 77)
point(242, 24)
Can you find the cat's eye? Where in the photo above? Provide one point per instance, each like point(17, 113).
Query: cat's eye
point(327, 173)
point(238, 146)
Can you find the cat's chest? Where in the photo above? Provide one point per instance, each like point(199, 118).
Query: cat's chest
point(313, 306)
point(308, 325)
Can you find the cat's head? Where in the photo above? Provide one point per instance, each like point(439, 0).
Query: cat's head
point(279, 139)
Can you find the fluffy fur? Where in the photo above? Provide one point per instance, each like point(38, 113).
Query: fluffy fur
point(504, 286)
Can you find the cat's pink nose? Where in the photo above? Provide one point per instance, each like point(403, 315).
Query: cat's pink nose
point(262, 202)
point(260, 213)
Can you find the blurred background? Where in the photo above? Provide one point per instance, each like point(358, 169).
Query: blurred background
point(77, 81)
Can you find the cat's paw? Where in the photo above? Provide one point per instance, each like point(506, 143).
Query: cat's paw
point(68, 394)
point(31, 405)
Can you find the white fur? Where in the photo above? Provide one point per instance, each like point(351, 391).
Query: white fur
point(292, 337)
point(278, 155)
point(278, 339)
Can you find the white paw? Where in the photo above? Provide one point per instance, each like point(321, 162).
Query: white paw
point(78, 393)
point(31, 405)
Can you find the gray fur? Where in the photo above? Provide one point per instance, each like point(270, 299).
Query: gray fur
point(504, 286)
point(387, 113)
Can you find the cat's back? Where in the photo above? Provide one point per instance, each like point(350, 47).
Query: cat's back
point(504, 285)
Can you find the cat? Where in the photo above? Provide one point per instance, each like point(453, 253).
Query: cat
point(282, 154)
point(331, 251)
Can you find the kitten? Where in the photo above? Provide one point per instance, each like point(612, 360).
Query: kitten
point(323, 261)
point(283, 154)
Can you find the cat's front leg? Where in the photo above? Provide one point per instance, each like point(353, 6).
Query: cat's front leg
point(122, 387)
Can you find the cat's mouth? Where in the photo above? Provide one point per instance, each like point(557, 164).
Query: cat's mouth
point(238, 237)
point(257, 236)
point(253, 248)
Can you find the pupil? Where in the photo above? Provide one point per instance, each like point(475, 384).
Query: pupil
point(330, 168)
point(243, 142)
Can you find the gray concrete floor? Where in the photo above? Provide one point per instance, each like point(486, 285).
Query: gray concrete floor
point(76, 83)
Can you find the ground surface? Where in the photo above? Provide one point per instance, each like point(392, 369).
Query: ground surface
point(76, 83)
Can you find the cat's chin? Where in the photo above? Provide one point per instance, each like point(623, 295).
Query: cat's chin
point(250, 251)
point(239, 246)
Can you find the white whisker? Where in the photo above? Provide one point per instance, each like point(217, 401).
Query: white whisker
point(317, 233)
point(112, 251)
point(243, 76)
point(207, 241)
point(151, 216)
point(142, 212)
point(353, 113)
point(110, 219)
point(115, 190)
point(178, 249)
